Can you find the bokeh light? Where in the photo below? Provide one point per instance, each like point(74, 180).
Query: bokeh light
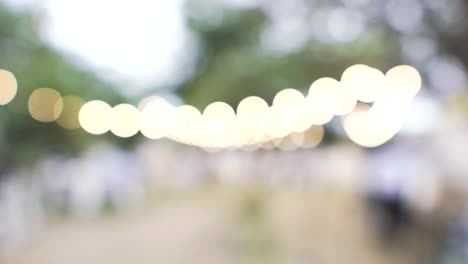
point(124, 120)
point(322, 100)
point(149, 100)
point(157, 117)
point(286, 113)
point(291, 122)
point(363, 82)
point(71, 108)
point(219, 123)
point(8, 87)
point(94, 117)
point(187, 124)
point(346, 102)
point(405, 79)
point(280, 121)
point(289, 143)
point(370, 127)
point(252, 117)
point(313, 137)
point(45, 104)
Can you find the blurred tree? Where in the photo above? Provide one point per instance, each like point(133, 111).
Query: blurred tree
point(23, 139)
point(261, 48)
point(234, 61)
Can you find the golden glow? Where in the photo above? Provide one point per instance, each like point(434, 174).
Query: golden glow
point(157, 117)
point(151, 100)
point(124, 120)
point(268, 145)
point(252, 118)
point(323, 100)
point(8, 87)
point(313, 137)
point(280, 121)
point(94, 117)
point(346, 102)
point(356, 127)
point(285, 115)
point(288, 97)
point(45, 104)
point(187, 124)
point(370, 128)
point(363, 82)
point(289, 143)
point(291, 122)
point(71, 109)
point(405, 79)
point(219, 122)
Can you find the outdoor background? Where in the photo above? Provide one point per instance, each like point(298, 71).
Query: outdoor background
point(70, 197)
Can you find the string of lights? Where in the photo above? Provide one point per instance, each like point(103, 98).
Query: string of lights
point(371, 104)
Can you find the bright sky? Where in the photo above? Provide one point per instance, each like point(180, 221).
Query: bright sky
point(139, 44)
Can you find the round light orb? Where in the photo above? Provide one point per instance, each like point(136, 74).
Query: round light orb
point(187, 122)
point(71, 108)
point(304, 119)
point(252, 117)
point(293, 104)
point(363, 82)
point(346, 102)
point(288, 97)
point(45, 105)
point(289, 143)
point(367, 128)
point(8, 87)
point(124, 120)
point(156, 118)
point(281, 121)
point(152, 100)
point(287, 113)
point(94, 117)
point(219, 125)
point(313, 137)
point(268, 145)
point(323, 100)
point(405, 79)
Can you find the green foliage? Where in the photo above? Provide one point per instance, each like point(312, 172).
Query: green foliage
point(35, 65)
point(234, 63)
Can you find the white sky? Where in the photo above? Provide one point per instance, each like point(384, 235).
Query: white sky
point(139, 44)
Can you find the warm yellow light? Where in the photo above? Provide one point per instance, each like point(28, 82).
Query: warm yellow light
point(280, 121)
point(363, 82)
point(288, 97)
point(323, 100)
point(45, 104)
point(240, 137)
point(124, 120)
point(157, 117)
point(252, 118)
point(286, 114)
point(187, 125)
point(219, 123)
point(71, 109)
point(151, 100)
point(268, 145)
point(289, 143)
point(250, 147)
point(405, 79)
point(8, 87)
point(346, 102)
point(369, 128)
point(313, 137)
point(94, 117)
point(356, 126)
